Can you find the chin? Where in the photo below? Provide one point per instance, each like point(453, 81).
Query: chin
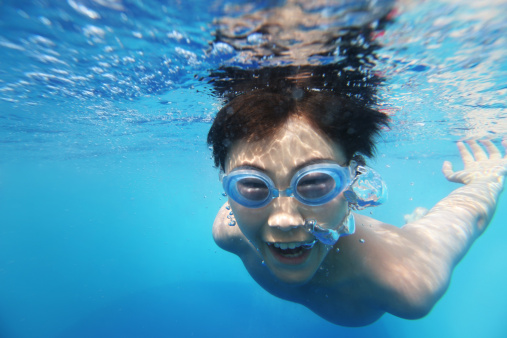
point(293, 280)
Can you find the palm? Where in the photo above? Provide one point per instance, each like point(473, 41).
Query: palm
point(480, 163)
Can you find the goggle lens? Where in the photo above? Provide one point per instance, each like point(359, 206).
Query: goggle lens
point(253, 189)
point(315, 185)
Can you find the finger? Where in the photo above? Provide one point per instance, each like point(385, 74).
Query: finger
point(493, 151)
point(447, 170)
point(477, 151)
point(449, 174)
point(466, 156)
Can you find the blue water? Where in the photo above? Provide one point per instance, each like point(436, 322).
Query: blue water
point(108, 193)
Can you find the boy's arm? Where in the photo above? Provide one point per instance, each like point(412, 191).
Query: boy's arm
point(229, 238)
point(416, 269)
point(472, 206)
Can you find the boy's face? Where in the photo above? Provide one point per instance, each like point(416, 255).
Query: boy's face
point(280, 222)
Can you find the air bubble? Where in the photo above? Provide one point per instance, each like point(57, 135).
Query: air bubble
point(337, 249)
point(232, 223)
point(227, 207)
point(361, 240)
point(231, 213)
point(224, 194)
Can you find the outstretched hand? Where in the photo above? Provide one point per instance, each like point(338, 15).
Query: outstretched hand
point(481, 164)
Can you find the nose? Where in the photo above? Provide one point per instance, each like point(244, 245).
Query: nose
point(285, 214)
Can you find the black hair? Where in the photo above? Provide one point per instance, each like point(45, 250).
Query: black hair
point(261, 113)
point(337, 98)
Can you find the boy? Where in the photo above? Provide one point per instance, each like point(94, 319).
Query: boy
point(288, 160)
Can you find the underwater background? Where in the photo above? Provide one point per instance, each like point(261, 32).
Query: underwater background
point(108, 192)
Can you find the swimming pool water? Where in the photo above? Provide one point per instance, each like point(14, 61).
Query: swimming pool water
point(108, 194)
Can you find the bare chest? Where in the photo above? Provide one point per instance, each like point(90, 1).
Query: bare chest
point(337, 298)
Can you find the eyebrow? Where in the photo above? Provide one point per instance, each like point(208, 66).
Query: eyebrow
point(294, 170)
point(311, 161)
point(249, 166)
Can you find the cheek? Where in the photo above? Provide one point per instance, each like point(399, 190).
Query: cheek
point(249, 220)
point(330, 213)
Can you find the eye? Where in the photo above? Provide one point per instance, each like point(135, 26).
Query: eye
point(315, 185)
point(253, 189)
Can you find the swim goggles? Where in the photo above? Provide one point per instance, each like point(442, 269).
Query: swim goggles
point(313, 185)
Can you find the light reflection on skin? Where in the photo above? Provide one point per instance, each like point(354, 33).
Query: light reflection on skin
point(381, 268)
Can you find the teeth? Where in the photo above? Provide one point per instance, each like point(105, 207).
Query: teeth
point(291, 245)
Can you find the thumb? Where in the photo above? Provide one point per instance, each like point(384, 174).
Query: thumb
point(447, 170)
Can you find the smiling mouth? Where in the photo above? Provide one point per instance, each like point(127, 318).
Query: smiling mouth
point(290, 250)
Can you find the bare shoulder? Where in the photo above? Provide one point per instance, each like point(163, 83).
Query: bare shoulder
point(227, 237)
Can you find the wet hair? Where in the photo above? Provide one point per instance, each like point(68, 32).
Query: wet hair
point(332, 85)
point(260, 113)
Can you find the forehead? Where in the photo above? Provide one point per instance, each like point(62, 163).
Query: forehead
point(296, 143)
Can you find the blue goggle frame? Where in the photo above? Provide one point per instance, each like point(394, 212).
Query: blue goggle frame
point(342, 177)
